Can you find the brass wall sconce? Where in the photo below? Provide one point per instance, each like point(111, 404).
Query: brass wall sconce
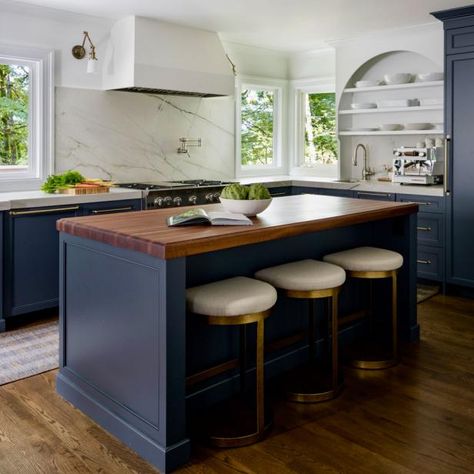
point(79, 51)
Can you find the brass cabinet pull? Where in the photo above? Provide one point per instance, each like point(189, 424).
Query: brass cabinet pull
point(115, 209)
point(446, 165)
point(427, 203)
point(363, 193)
point(43, 211)
point(424, 229)
point(424, 262)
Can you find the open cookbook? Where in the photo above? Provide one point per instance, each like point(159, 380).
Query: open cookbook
point(199, 216)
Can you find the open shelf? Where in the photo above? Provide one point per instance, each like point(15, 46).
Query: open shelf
point(410, 85)
point(415, 108)
point(394, 132)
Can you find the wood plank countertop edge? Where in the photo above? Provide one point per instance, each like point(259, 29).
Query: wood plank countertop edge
point(90, 228)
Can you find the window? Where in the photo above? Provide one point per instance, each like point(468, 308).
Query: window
point(260, 129)
point(314, 136)
point(26, 114)
point(320, 143)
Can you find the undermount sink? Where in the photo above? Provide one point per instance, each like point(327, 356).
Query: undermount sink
point(347, 180)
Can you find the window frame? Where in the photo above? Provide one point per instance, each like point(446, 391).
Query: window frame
point(298, 90)
point(40, 117)
point(279, 88)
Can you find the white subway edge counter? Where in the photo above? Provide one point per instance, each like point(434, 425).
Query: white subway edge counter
point(371, 186)
point(28, 199)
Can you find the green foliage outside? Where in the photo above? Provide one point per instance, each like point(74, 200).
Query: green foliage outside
point(320, 144)
point(14, 86)
point(256, 136)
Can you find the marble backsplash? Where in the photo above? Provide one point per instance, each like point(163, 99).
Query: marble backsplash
point(134, 137)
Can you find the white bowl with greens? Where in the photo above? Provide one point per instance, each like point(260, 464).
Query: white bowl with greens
point(248, 200)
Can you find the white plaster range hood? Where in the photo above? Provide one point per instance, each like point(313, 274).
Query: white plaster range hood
point(151, 56)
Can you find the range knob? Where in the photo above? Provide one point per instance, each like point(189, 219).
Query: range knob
point(158, 202)
point(167, 200)
point(177, 201)
point(421, 153)
point(192, 199)
point(398, 153)
point(217, 196)
point(209, 197)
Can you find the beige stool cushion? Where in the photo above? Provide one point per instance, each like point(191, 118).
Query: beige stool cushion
point(366, 259)
point(303, 275)
point(231, 297)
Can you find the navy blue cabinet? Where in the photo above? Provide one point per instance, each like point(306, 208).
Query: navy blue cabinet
point(280, 191)
point(336, 192)
point(459, 117)
point(30, 253)
point(32, 259)
point(430, 235)
point(374, 195)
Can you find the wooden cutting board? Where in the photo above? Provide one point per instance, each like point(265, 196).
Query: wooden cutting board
point(88, 190)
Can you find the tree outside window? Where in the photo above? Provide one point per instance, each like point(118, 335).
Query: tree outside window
point(320, 143)
point(257, 127)
point(14, 112)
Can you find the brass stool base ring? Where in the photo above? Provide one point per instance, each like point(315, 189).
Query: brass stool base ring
point(315, 397)
point(239, 441)
point(373, 364)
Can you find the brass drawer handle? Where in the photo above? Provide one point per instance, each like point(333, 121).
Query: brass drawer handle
point(115, 209)
point(278, 194)
point(424, 229)
point(420, 203)
point(424, 262)
point(43, 211)
point(362, 193)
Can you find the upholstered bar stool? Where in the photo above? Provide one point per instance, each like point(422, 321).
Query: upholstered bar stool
point(373, 263)
point(311, 280)
point(237, 301)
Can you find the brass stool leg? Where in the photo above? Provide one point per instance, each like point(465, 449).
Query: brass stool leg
point(394, 316)
point(335, 332)
point(260, 395)
point(311, 327)
point(243, 358)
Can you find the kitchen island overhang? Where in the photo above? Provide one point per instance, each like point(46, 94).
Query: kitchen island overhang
point(127, 345)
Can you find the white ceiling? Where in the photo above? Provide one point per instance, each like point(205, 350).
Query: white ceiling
point(286, 25)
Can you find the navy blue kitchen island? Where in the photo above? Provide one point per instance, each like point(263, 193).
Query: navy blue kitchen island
point(136, 363)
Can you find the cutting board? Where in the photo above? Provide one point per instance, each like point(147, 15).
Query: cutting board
point(88, 190)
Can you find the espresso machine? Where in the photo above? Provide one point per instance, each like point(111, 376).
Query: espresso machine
point(418, 165)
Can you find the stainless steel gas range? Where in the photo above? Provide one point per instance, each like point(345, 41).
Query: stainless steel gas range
point(178, 193)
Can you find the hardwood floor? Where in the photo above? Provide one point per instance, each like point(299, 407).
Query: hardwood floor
point(417, 417)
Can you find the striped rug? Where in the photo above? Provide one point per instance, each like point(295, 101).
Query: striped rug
point(28, 351)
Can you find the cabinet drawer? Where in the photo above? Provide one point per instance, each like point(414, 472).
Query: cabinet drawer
point(336, 192)
point(281, 191)
point(430, 228)
point(426, 203)
point(296, 190)
point(111, 207)
point(430, 263)
point(375, 196)
point(460, 40)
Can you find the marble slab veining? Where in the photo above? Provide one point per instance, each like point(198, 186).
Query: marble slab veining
point(134, 137)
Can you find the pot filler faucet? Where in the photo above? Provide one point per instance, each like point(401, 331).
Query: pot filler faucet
point(366, 171)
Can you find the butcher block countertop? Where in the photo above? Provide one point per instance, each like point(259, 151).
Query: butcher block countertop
point(147, 232)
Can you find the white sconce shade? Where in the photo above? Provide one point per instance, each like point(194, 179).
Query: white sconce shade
point(91, 66)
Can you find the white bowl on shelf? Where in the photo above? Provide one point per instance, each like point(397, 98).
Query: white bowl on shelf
point(398, 78)
point(248, 207)
point(418, 126)
point(430, 76)
point(398, 103)
point(362, 84)
point(391, 127)
point(364, 105)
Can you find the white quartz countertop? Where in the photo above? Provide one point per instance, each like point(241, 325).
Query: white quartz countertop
point(27, 199)
point(367, 186)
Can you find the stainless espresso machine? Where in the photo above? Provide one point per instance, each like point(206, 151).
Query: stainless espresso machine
point(413, 165)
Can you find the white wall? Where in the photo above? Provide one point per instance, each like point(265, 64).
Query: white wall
point(27, 25)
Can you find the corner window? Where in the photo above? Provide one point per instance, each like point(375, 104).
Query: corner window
point(320, 143)
point(259, 129)
point(26, 115)
point(315, 142)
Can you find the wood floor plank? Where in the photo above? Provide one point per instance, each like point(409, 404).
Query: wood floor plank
point(416, 417)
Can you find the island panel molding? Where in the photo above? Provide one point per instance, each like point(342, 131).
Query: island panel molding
point(288, 216)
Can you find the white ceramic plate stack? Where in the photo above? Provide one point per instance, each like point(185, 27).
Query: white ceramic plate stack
point(430, 76)
point(398, 103)
point(362, 84)
point(391, 127)
point(364, 105)
point(418, 126)
point(361, 129)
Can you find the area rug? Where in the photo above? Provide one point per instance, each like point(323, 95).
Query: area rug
point(28, 351)
point(424, 292)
